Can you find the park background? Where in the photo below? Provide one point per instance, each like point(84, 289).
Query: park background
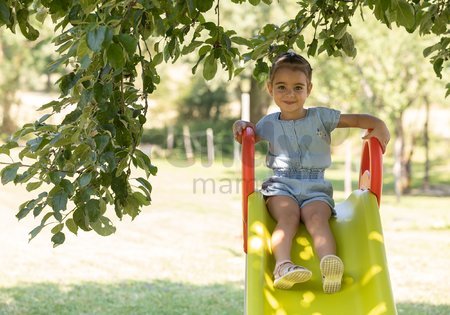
point(183, 253)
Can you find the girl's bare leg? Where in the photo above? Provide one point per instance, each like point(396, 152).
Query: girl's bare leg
point(316, 215)
point(286, 213)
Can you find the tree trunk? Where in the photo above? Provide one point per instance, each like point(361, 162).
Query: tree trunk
point(400, 179)
point(8, 125)
point(408, 166)
point(259, 101)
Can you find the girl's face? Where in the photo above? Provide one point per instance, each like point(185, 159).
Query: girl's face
point(290, 88)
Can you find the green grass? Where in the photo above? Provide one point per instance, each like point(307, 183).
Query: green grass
point(183, 254)
point(422, 309)
point(131, 297)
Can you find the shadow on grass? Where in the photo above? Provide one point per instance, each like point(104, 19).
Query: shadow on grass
point(146, 298)
point(133, 297)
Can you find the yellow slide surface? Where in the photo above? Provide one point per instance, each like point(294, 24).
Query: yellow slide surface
point(366, 288)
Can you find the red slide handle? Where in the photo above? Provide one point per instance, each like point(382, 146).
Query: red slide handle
point(371, 169)
point(248, 175)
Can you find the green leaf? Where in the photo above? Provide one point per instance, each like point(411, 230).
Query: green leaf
point(101, 141)
point(209, 67)
point(143, 161)
point(122, 166)
point(405, 14)
point(87, 5)
point(67, 82)
point(72, 117)
point(312, 47)
point(440, 24)
point(55, 177)
point(41, 15)
point(35, 232)
point(80, 219)
point(57, 228)
point(241, 41)
point(50, 105)
point(141, 199)
point(203, 5)
point(108, 161)
point(145, 183)
point(191, 8)
point(340, 30)
point(191, 47)
point(260, 50)
point(5, 13)
point(96, 37)
point(58, 201)
point(9, 173)
point(157, 59)
point(115, 56)
point(119, 186)
point(25, 208)
point(348, 45)
point(103, 226)
point(5, 149)
point(58, 239)
point(261, 71)
point(204, 50)
point(84, 179)
point(47, 216)
point(35, 144)
point(300, 42)
point(25, 27)
point(71, 225)
point(93, 210)
point(129, 43)
point(37, 210)
point(33, 185)
point(430, 49)
point(132, 206)
point(437, 66)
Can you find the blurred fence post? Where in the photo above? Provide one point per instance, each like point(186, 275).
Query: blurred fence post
point(188, 143)
point(210, 145)
point(170, 140)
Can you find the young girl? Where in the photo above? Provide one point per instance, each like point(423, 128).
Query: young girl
point(299, 152)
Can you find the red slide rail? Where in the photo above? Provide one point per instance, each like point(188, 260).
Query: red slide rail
point(372, 162)
point(371, 171)
point(248, 175)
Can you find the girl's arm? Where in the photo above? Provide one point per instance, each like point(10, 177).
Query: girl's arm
point(364, 121)
point(239, 126)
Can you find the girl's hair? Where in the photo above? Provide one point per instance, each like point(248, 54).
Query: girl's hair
point(291, 60)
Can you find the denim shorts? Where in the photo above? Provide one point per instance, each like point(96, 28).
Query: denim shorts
point(304, 186)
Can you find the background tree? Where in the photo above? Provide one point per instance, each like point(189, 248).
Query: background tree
point(203, 101)
point(107, 47)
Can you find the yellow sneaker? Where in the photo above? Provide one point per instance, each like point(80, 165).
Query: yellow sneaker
point(332, 269)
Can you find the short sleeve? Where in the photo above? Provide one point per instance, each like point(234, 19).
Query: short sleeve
point(329, 117)
point(265, 128)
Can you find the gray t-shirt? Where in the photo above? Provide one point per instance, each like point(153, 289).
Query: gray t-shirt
point(299, 144)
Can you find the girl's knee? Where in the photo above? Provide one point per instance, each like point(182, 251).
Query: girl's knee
point(315, 220)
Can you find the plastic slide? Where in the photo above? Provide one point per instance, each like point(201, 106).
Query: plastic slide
point(366, 288)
